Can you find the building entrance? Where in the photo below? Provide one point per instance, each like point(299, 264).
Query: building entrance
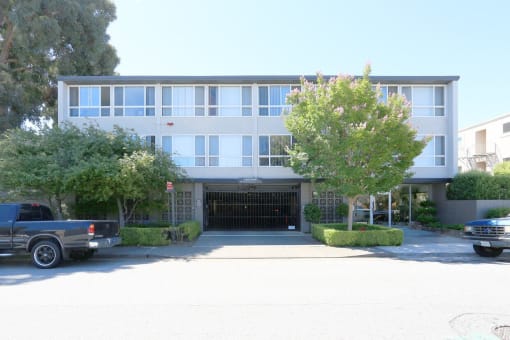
point(252, 208)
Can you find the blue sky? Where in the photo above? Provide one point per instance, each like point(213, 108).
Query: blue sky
point(470, 39)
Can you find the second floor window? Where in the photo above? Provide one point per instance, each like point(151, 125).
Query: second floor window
point(272, 99)
point(434, 153)
point(183, 101)
point(272, 150)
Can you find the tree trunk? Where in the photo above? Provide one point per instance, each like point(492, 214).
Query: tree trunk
point(351, 201)
point(122, 221)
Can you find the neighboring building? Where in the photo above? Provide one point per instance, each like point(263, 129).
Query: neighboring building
point(228, 133)
point(484, 145)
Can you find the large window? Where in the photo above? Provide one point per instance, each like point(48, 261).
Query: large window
point(185, 150)
point(433, 154)
point(132, 101)
point(230, 151)
point(183, 101)
point(427, 101)
point(222, 150)
point(230, 101)
point(272, 99)
point(272, 150)
point(89, 101)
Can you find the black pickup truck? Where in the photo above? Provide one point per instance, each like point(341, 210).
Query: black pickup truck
point(489, 236)
point(29, 227)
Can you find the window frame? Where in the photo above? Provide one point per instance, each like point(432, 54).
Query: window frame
point(272, 158)
point(421, 160)
point(103, 109)
point(149, 110)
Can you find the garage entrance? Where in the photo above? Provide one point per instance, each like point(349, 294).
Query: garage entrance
point(251, 208)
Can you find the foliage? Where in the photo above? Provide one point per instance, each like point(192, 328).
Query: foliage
point(312, 213)
point(148, 225)
point(144, 237)
point(426, 213)
point(94, 165)
point(342, 210)
point(502, 168)
point(190, 230)
point(362, 235)
point(479, 185)
point(347, 140)
point(498, 212)
point(43, 39)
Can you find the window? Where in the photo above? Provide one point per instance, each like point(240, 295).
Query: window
point(230, 101)
point(150, 142)
point(272, 150)
point(426, 101)
point(433, 154)
point(272, 99)
point(134, 101)
point(506, 127)
point(89, 101)
point(183, 101)
point(186, 151)
point(230, 151)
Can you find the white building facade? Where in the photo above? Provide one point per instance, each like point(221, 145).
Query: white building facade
point(228, 134)
point(484, 145)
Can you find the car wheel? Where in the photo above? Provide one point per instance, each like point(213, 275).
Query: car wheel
point(487, 251)
point(46, 254)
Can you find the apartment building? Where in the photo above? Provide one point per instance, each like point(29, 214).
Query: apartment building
point(228, 134)
point(485, 144)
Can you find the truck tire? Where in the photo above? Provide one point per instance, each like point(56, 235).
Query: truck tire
point(46, 254)
point(487, 251)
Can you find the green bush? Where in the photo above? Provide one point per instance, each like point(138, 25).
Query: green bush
point(190, 230)
point(426, 213)
point(478, 185)
point(362, 235)
point(312, 213)
point(144, 236)
point(497, 212)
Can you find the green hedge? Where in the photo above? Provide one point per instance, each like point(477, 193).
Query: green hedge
point(362, 235)
point(478, 185)
point(497, 212)
point(144, 236)
point(190, 230)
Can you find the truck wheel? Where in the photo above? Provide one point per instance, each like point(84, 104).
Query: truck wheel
point(487, 251)
point(46, 254)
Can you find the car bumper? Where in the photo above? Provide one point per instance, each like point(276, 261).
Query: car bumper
point(107, 242)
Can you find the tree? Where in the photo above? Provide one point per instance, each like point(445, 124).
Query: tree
point(502, 168)
point(347, 140)
point(40, 39)
point(91, 164)
point(39, 162)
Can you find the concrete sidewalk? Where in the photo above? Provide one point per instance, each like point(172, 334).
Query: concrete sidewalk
point(253, 245)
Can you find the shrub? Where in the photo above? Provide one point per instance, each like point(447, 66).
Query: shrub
point(144, 236)
point(363, 235)
point(497, 212)
point(478, 185)
point(190, 230)
point(312, 213)
point(148, 225)
point(426, 213)
point(342, 210)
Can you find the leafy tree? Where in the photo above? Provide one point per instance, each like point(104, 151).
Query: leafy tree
point(39, 162)
point(40, 39)
point(502, 168)
point(347, 140)
point(91, 164)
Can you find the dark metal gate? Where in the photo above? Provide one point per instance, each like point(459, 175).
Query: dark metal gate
point(251, 210)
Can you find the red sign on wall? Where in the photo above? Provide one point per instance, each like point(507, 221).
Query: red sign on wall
point(169, 186)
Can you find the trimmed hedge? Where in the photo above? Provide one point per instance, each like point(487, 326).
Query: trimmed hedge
point(478, 185)
point(144, 236)
point(497, 212)
point(190, 230)
point(362, 235)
